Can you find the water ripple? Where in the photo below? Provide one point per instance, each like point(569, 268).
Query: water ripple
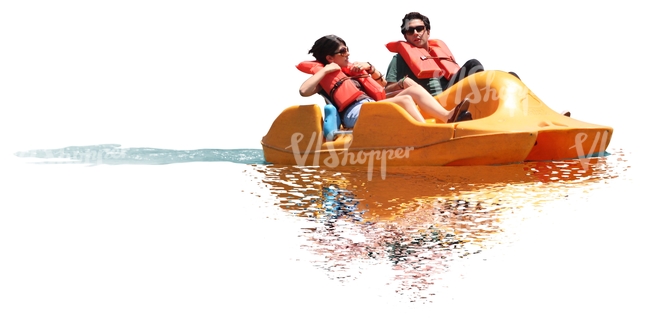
point(420, 220)
point(114, 154)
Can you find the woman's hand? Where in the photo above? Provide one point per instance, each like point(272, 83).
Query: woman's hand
point(331, 67)
point(358, 67)
point(311, 85)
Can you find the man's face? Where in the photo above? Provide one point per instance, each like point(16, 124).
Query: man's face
point(417, 34)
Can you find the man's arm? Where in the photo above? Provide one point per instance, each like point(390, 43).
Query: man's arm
point(395, 83)
point(392, 88)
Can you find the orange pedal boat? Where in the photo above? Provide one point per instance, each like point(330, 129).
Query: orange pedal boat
point(510, 125)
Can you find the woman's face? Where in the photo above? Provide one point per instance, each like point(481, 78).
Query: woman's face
point(340, 57)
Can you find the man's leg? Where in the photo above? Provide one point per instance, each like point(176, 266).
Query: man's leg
point(470, 67)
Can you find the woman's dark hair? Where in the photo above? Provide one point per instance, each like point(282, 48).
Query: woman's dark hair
point(324, 46)
point(414, 15)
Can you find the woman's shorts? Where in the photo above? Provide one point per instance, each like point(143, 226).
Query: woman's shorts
point(350, 115)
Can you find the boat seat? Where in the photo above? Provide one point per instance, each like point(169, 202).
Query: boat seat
point(336, 124)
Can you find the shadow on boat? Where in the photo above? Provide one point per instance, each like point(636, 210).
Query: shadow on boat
point(419, 219)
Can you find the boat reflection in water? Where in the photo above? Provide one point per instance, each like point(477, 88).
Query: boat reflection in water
point(419, 219)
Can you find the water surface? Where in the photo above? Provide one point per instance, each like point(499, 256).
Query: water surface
point(565, 236)
point(419, 220)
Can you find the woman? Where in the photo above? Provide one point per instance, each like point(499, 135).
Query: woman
point(332, 52)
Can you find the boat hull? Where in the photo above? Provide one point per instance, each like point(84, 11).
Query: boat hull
point(510, 125)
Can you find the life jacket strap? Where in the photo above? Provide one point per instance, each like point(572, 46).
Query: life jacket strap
point(428, 57)
point(340, 82)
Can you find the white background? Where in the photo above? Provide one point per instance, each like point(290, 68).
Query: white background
point(203, 74)
point(167, 244)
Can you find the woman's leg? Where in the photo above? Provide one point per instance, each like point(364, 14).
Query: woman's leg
point(426, 102)
point(407, 103)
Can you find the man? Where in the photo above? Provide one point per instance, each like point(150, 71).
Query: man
point(416, 28)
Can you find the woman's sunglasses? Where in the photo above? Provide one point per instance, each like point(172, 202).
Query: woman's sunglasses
point(342, 51)
point(412, 30)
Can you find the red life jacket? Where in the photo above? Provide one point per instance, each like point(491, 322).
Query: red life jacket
point(438, 62)
point(340, 87)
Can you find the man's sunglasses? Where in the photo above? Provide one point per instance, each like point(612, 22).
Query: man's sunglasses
point(342, 51)
point(412, 30)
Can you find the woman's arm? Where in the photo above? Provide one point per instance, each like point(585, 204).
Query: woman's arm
point(311, 85)
point(377, 76)
point(371, 70)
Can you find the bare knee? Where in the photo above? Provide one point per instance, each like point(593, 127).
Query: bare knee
point(414, 90)
point(404, 100)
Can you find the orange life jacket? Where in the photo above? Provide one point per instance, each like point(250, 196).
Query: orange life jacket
point(438, 62)
point(340, 87)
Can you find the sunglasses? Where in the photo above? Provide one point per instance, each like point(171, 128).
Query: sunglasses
point(412, 30)
point(342, 51)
